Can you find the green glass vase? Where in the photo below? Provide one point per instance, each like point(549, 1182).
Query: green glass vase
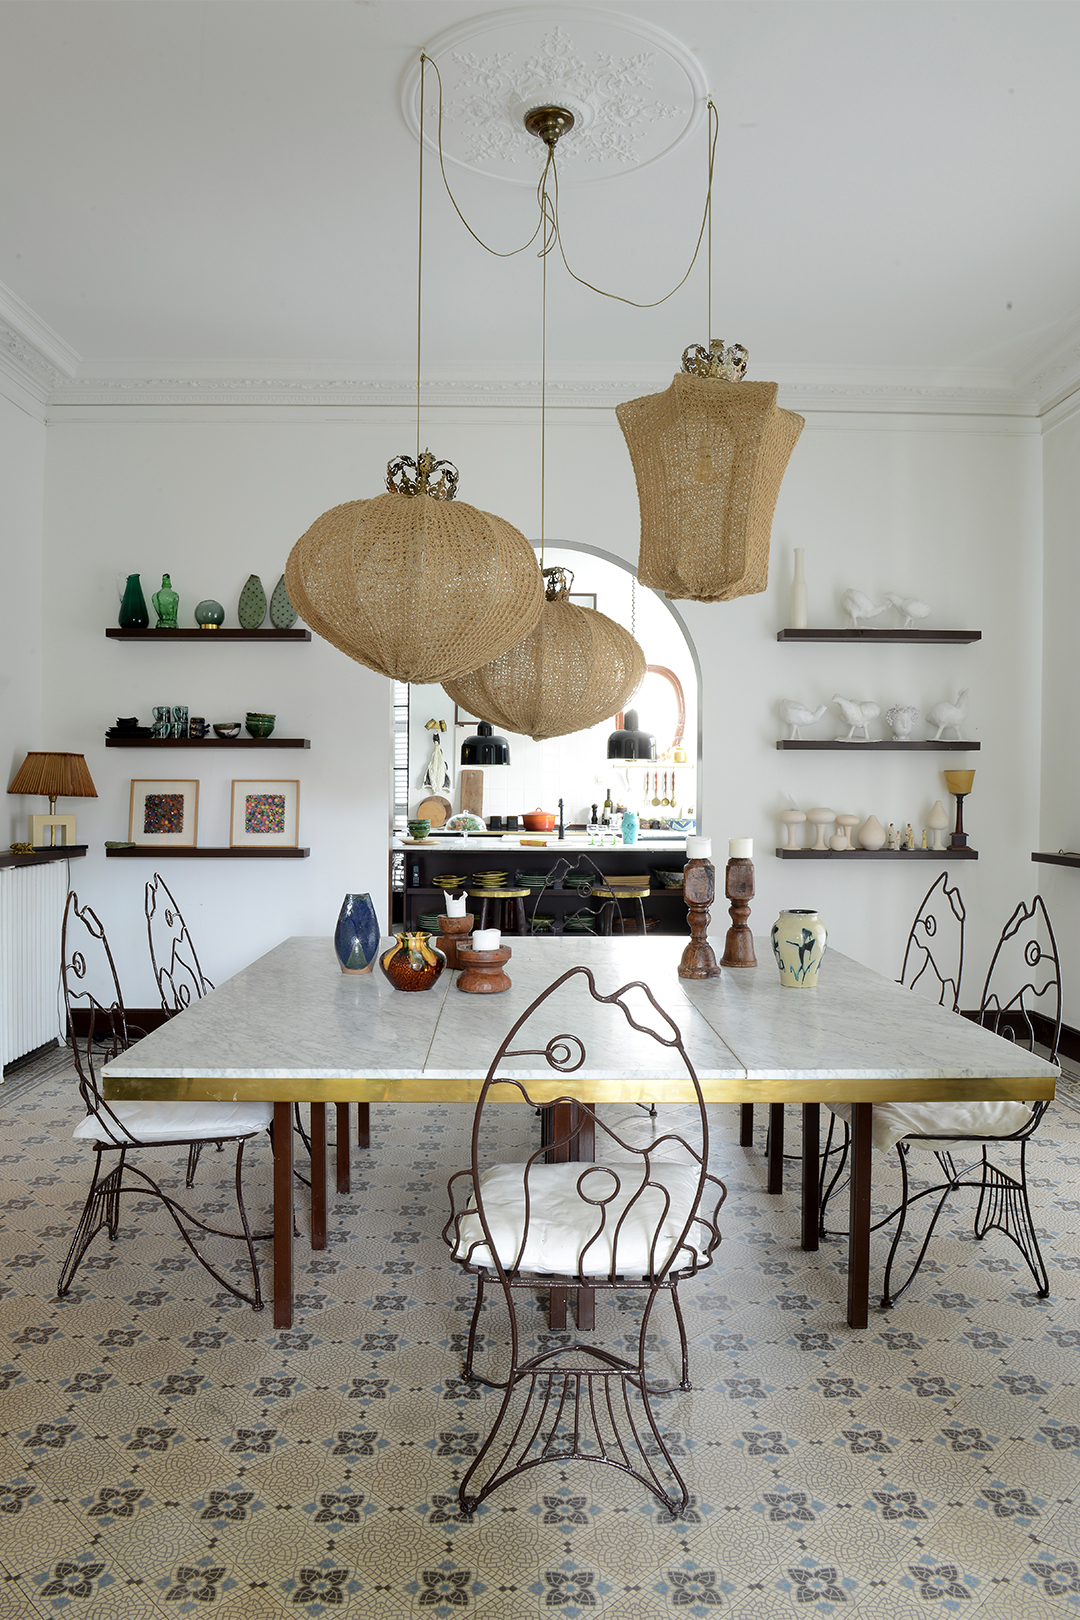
point(166, 605)
point(133, 613)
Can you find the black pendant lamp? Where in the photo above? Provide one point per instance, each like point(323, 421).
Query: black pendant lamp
point(485, 748)
point(630, 742)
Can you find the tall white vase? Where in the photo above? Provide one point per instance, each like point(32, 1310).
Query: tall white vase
point(798, 592)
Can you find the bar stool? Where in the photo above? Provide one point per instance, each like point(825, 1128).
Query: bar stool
point(507, 908)
point(609, 899)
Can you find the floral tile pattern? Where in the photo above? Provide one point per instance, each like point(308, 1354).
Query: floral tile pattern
point(164, 1451)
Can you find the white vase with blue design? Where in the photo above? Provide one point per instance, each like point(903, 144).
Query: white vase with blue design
point(799, 939)
point(356, 937)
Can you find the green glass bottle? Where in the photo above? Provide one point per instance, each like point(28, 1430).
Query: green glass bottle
point(133, 613)
point(166, 604)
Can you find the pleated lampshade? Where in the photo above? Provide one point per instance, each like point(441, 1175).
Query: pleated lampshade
point(575, 668)
point(709, 455)
point(56, 776)
point(414, 584)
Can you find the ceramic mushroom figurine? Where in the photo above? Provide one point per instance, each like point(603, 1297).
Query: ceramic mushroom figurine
point(947, 716)
point(791, 819)
point(857, 715)
point(938, 821)
point(821, 818)
point(796, 714)
point(841, 841)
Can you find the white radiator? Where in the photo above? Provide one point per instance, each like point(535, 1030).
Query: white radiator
point(31, 916)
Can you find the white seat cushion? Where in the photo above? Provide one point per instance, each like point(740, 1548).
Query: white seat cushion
point(894, 1121)
point(561, 1222)
point(160, 1122)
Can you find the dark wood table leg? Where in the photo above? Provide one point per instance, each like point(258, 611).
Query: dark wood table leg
point(746, 1124)
point(283, 1214)
point(862, 1125)
point(341, 1144)
point(363, 1125)
point(776, 1147)
point(318, 1175)
point(811, 1129)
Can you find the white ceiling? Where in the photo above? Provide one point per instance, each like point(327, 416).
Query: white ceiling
point(234, 184)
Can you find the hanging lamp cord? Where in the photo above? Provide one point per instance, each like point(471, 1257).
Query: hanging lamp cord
point(549, 208)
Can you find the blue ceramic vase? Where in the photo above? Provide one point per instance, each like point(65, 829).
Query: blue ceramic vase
point(356, 937)
point(629, 827)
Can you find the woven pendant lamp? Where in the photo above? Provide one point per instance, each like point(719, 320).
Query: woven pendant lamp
point(575, 668)
point(709, 455)
point(412, 583)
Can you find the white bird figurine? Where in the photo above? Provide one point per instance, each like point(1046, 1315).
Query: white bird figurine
point(857, 715)
point(857, 606)
point(910, 607)
point(946, 715)
point(796, 714)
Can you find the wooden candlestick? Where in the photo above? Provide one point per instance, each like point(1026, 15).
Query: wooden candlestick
point(452, 932)
point(739, 888)
point(483, 970)
point(699, 891)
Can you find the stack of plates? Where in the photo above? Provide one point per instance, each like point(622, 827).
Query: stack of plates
point(580, 925)
point(542, 924)
point(428, 923)
point(489, 880)
point(579, 880)
point(447, 880)
point(533, 880)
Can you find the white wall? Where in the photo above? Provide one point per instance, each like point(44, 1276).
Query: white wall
point(1060, 819)
point(946, 509)
point(22, 464)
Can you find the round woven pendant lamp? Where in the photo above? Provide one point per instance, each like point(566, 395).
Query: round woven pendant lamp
point(709, 455)
point(412, 583)
point(575, 668)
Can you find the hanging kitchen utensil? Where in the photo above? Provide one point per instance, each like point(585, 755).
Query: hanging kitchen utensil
point(655, 788)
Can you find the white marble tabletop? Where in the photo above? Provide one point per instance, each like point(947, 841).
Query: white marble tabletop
point(291, 1025)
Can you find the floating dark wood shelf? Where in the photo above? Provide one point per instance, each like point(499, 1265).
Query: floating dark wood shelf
point(38, 857)
point(169, 852)
point(114, 633)
point(207, 742)
point(879, 745)
point(878, 854)
point(1062, 858)
point(905, 636)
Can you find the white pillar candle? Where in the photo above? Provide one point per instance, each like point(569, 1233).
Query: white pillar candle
point(699, 849)
point(487, 940)
point(455, 904)
point(740, 849)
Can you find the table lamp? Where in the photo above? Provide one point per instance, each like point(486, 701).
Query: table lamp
point(959, 783)
point(55, 775)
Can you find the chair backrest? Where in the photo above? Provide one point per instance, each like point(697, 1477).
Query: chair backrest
point(177, 971)
point(1023, 981)
point(934, 955)
point(636, 1202)
point(97, 1023)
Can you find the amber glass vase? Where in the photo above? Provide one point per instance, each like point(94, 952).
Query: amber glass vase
point(413, 963)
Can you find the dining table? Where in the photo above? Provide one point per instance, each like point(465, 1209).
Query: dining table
point(292, 1028)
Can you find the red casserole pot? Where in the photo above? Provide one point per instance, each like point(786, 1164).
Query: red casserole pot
point(538, 821)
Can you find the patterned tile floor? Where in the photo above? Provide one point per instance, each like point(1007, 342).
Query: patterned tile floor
point(164, 1451)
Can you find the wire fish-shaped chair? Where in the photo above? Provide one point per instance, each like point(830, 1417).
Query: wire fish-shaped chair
point(640, 1219)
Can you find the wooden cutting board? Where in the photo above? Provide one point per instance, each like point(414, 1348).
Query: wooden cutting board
point(437, 810)
point(472, 793)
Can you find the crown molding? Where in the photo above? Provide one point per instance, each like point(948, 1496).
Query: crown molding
point(1053, 372)
point(34, 359)
point(805, 393)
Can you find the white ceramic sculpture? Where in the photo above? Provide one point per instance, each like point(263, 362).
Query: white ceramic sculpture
point(871, 834)
point(857, 606)
point(841, 841)
point(937, 821)
point(791, 820)
point(901, 717)
point(821, 818)
point(909, 607)
point(909, 836)
point(857, 715)
point(947, 716)
point(795, 714)
point(892, 837)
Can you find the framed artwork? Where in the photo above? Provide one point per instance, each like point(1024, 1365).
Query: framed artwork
point(585, 599)
point(164, 812)
point(265, 815)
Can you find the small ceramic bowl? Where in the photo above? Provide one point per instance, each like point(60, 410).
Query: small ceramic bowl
point(419, 829)
point(227, 728)
point(260, 725)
